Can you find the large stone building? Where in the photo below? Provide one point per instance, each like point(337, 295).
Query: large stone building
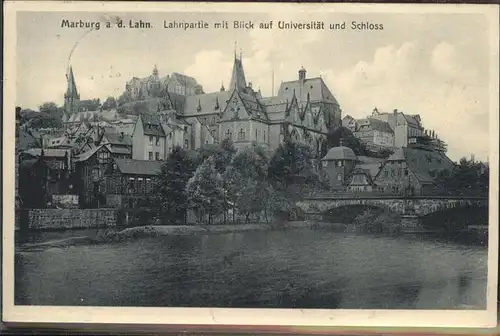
point(152, 86)
point(304, 109)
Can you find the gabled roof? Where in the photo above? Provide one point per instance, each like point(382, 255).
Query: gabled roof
point(88, 154)
point(138, 167)
point(252, 105)
point(372, 124)
point(26, 140)
point(316, 87)
point(184, 80)
point(422, 162)
point(152, 125)
point(361, 171)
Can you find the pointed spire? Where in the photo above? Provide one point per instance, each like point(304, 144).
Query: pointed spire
point(222, 88)
point(71, 91)
point(199, 106)
point(238, 81)
point(217, 103)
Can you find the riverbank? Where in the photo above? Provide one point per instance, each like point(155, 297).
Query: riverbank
point(105, 236)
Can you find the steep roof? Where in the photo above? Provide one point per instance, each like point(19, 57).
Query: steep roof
point(374, 125)
point(116, 138)
point(71, 91)
point(315, 87)
point(88, 154)
point(252, 105)
point(152, 125)
point(238, 80)
point(361, 171)
point(138, 167)
point(208, 103)
point(422, 163)
point(184, 80)
point(26, 140)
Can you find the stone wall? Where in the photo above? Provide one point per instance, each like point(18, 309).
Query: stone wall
point(53, 219)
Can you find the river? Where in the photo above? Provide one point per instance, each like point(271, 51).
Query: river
point(302, 268)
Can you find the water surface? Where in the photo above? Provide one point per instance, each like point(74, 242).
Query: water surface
point(286, 269)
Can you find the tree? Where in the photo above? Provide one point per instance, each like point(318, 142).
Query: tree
point(348, 140)
point(291, 174)
point(467, 178)
point(205, 191)
point(245, 181)
point(89, 105)
point(222, 154)
point(109, 104)
point(170, 185)
point(44, 120)
point(52, 109)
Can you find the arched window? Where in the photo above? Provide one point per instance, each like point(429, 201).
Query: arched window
point(229, 135)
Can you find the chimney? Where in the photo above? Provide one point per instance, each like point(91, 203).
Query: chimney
point(302, 74)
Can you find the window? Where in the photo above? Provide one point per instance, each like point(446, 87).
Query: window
point(406, 172)
point(150, 139)
point(185, 128)
point(229, 135)
point(241, 134)
point(186, 144)
point(325, 163)
point(392, 172)
point(147, 185)
point(157, 156)
point(169, 149)
point(150, 156)
point(255, 134)
point(264, 135)
point(170, 135)
point(339, 177)
point(131, 185)
point(157, 140)
point(339, 163)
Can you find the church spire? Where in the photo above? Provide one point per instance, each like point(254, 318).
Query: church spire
point(238, 81)
point(71, 97)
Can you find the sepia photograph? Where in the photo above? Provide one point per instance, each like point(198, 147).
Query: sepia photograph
point(315, 158)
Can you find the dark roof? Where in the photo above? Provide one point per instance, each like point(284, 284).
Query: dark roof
point(88, 154)
point(207, 102)
point(422, 162)
point(138, 167)
point(47, 152)
point(316, 87)
point(151, 125)
point(116, 138)
point(252, 105)
point(375, 125)
point(26, 140)
point(238, 80)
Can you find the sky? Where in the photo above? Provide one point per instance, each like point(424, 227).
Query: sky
point(435, 65)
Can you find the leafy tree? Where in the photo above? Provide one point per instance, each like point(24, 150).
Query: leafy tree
point(348, 140)
point(222, 154)
point(205, 191)
point(110, 103)
point(124, 98)
point(245, 180)
point(52, 109)
point(467, 178)
point(44, 120)
point(170, 185)
point(292, 174)
point(89, 105)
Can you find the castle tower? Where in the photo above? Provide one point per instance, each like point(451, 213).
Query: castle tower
point(71, 97)
point(238, 80)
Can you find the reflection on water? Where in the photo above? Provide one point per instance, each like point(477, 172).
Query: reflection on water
point(301, 268)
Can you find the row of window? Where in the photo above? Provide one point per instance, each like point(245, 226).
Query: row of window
point(134, 185)
point(395, 172)
point(242, 135)
point(157, 156)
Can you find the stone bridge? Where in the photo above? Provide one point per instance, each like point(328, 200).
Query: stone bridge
point(411, 209)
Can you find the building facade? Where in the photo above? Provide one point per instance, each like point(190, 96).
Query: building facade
point(376, 134)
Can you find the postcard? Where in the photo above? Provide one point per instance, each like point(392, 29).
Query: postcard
point(251, 164)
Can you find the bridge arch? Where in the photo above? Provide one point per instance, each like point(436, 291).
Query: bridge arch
point(455, 217)
point(347, 213)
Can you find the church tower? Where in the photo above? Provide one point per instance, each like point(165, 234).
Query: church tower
point(71, 97)
point(238, 80)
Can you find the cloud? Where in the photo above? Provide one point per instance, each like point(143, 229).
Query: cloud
point(436, 85)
